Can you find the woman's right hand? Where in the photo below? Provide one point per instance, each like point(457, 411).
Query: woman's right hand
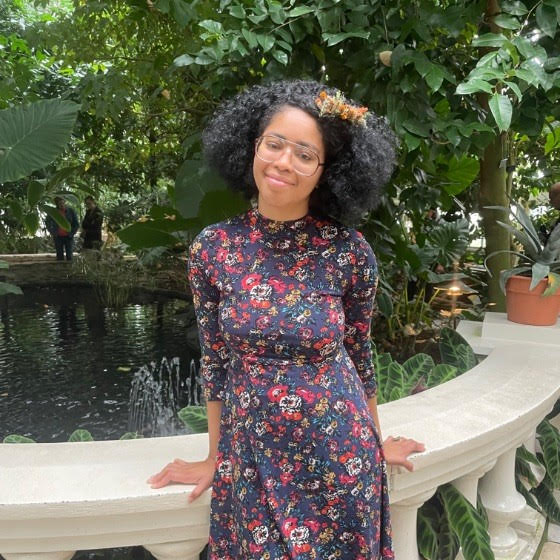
point(200, 473)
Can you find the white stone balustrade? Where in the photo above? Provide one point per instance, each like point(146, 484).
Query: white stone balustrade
point(62, 497)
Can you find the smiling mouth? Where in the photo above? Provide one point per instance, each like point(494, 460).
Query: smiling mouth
point(278, 181)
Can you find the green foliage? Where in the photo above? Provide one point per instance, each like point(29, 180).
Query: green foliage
point(131, 435)
point(80, 435)
point(549, 438)
point(32, 136)
point(195, 418)
point(14, 438)
point(539, 260)
point(113, 275)
point(538, 476)
point(467, 524)
point(448, 521)
point(419, 372)
point(455, 350)
point(7, 287)
point(429, 522)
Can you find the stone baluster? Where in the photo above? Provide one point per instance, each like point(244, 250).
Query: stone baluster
point(504, 505)
point(182, 550)
point(468, 486)
point(38, 555)
point(403, 519)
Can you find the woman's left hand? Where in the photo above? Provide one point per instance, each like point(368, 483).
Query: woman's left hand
point(398, 449)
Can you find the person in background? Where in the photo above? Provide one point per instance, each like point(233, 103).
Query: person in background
point(91, 224)
point(63, 238)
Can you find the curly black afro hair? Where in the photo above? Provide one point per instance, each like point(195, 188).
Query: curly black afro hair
point(359, 159)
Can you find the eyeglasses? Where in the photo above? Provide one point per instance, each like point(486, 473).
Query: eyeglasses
point(304, 161)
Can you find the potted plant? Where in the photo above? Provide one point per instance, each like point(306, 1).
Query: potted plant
point(532, 287)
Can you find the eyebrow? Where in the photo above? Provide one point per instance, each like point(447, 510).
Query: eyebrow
point(299, 142)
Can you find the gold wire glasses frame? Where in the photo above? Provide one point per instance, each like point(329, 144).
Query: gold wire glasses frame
point(305, 161)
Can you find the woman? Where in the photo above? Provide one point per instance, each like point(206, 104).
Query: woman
point(283, 296)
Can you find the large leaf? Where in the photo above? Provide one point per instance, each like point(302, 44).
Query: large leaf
point(448, 542)
point(545, 495)
point(394, 387)
point(549, 439)
point(428, 529)
point(546, 20)
point(528, 243)
point(7, 288)
point(450, 240)
point(59, 219)
point(192, 183)
point(538, 272)
point(461, 173)
point(502, 110)
point(15, 438)
point(466, 524)
point(554, 412)
point(456, 351)
point(381, 364)
point(33, 135)
point(441, 374)
point(474, 85)
point(35, 191)
point(143, 235)
point(195, 417)
point(417, 366)
point(525, 462)
point(489, 40)
point(80, 435)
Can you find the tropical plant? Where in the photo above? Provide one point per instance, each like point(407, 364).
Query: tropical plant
point(113, 275)
point(538, 476)
point(7, 287)
point(539, 259)
point(448, 521)
point(31, 137)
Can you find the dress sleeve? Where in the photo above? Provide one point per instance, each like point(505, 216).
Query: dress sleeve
point(358, 308)
point(206, 298)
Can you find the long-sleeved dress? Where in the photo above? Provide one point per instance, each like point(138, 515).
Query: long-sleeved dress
point(284, 312)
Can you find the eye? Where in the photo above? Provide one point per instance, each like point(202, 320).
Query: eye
point(273, 144)
point(305, 156)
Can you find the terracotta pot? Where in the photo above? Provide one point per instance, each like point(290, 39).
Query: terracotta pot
point(531, 307)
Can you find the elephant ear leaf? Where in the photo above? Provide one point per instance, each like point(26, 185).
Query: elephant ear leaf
point(33, 135)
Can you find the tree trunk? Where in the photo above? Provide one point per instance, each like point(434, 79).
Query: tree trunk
point(493, 193)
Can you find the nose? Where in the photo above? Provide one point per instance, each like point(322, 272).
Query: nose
point(285, 158)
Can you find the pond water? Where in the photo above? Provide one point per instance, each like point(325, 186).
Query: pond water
point(68, 363)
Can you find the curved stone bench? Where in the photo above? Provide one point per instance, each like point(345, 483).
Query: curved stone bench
point(58, 498)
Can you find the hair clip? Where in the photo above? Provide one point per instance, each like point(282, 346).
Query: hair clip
point(337, 107)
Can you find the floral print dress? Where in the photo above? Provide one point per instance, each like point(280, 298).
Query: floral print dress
point(284, 312)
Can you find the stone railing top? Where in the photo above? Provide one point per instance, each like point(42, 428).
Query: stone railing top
point(496, 330)
point(474, 418)
point(464, 423)
point(55, 478)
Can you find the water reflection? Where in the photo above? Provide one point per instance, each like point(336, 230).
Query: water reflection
point(67, 363)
